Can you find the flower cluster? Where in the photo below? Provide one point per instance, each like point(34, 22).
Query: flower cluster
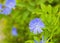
point(36, 25)
point(9, 4)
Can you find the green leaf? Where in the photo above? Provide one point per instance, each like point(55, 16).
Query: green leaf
point(50, 1)
point(21, 4)
point(55, 9)
point(49, 9)
point(40, 1)
point(29, 41)
point(30, 8)
point(31, 2)
point(36, 38)
point(37, 11)
point(51, 42)
point(25, 15)
point(46, 34)
point(43, 8)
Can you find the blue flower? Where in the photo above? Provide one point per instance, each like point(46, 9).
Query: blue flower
point(0, 6)
point(10, 3)
point(6, 11)
point(8, 7)
point(35, 25)
point(14, 31)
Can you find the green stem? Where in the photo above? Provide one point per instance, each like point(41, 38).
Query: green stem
point(51, 35)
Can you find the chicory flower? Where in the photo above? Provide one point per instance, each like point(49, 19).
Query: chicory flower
point(6, 11)
point(36, 25)
point(10, 3)
point(8, 7)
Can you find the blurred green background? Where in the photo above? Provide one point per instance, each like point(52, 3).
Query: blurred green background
point(23, 13)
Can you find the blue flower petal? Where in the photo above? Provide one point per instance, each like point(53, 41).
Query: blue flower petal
point(35, 31)
point(10, 3)
point(6, 11)
point(36, 21)
point(14, 32)
point(0, 6)
point(39, 30)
